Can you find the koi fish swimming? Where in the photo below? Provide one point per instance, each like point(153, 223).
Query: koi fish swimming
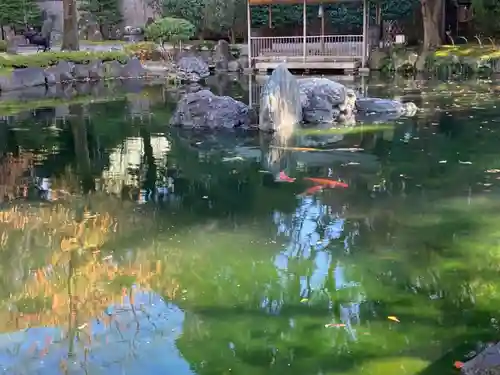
point(320, 183)
point(326, 182)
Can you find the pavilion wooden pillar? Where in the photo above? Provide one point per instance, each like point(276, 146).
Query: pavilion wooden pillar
point(249, 37)
point(365, 33)
point(304, 29)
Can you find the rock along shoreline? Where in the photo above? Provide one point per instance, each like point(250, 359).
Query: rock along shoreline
point(67, 72)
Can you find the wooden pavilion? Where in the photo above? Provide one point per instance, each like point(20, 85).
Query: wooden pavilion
point(343, 52)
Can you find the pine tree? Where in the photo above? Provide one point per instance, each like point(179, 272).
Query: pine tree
point(106, 13)
point(20, 13)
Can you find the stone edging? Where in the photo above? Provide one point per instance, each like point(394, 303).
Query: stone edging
point(67, 72)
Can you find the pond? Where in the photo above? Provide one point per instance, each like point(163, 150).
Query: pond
point(189, 257)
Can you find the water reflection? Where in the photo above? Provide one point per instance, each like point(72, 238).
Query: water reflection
point(185, 257)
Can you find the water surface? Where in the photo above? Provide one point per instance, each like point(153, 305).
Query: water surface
point(187, 257)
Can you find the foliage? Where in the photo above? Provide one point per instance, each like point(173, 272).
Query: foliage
point(106, 13)
point(20, 12)
point(170, 30)
point(346, 15)
point(190, 10)
point(52, 58)
point(217, 17)
point(142, 50)
point(487, 17)
point(463, 59)
point(3, 46)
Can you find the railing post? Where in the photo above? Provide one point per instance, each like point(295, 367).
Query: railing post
point(365, 32)
point(304, 29)
point(249, 31)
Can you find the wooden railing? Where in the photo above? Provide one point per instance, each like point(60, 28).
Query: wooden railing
point(342, 46)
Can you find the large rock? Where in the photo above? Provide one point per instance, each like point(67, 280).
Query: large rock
point(96, 70)
point(62, 72)
point(322, 99)
point(192, 69)
point(244, 62)
point(379, 59)
point(112, 69)
point(234, 66)
point(204, 110)
point(222, 56)
point(485, 363)
point(377, 105)
point(280, 102)
point(133, 69)
point(23, 78)
point(81, 72)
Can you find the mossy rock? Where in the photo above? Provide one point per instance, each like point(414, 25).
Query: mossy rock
point(465, 59)
point(380, 60)
point(403, 60)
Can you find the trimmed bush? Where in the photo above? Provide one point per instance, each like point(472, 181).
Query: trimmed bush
point(170, 30)
point(42, 60)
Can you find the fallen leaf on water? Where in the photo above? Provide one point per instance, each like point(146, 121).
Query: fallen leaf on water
point(303, 300)
point(334, 325)
point(493, 171)
point(393, 318)
point(465, 162)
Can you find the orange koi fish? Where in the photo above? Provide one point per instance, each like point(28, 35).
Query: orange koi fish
point(283, 177)
point(313, 190)
point(327, 182)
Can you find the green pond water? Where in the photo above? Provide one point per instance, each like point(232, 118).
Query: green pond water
point(187, 257)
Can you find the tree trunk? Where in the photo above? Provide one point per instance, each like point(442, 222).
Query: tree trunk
point(432, 18)
point(79, 130)
point(70, 27)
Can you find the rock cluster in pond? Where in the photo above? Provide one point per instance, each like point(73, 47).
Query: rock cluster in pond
point(68, 72)
point(205, 110)
point(323, 100)
point(285, 102)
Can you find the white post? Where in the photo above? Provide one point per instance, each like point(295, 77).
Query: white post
point(365, 32)
point(304, 29)
point(249, 31)
point(250, 87)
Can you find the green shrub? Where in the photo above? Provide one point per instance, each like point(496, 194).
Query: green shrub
point(170, 30)
point(45, 59)
point(3, 46)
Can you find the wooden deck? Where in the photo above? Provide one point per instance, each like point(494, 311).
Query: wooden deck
point(326, 52)
point(298, 63)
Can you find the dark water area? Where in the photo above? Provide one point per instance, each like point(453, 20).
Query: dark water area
point(128, 247)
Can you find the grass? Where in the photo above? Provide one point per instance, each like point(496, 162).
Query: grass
point(43, 60)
